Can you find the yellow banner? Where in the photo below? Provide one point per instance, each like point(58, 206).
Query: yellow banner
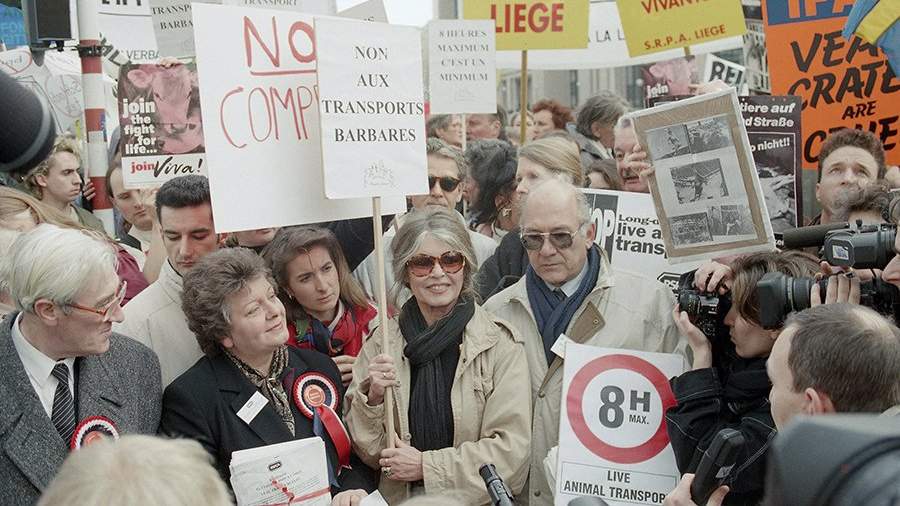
point(656, 25)
point(534, 24)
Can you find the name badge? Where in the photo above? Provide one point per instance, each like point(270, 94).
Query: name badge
point(559, 347)
point(252, 408)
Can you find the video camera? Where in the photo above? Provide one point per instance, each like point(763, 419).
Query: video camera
point(847, 245)
point(835, 460)
point(780, 295)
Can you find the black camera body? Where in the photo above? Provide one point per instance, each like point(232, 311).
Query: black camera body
point(780, 295)
point(706, 310)
point(860, 246)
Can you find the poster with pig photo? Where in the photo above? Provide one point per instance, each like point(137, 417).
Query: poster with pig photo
point(705, 186)
point(162, 130)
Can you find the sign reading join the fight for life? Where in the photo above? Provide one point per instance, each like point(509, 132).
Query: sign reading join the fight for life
point(843, 83)
point(534, 24)
point(657, 25)
point(372, 113)
point(613, 442)
point(257, 75)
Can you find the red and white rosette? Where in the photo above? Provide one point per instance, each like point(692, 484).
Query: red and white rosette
point(92, 429)
point(315, 394)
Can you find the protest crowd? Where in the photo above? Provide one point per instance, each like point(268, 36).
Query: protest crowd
point(147, 351)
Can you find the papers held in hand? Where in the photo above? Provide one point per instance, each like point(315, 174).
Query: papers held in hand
point(294, 472)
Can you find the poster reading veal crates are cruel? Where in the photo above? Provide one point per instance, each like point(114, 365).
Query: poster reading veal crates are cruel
point(159, 114)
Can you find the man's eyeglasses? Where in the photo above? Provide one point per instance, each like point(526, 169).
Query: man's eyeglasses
point(448, 184)
point(107, 310)
point(421, 265)
point(535, 240)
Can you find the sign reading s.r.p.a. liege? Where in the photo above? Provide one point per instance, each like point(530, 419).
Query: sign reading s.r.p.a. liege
point(462, 75)
point(657, 25)
point(534, 24)
point(257, 75)
point(372, 109)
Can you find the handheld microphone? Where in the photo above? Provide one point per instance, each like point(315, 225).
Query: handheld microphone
point(496, 489)
point(805, 237)
point(27, 131)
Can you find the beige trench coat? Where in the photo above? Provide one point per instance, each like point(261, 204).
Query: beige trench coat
point(624, 310)
point(491, 413)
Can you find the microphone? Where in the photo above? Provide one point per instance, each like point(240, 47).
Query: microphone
point(496, 489)
point(804, 237)
point(27, 132)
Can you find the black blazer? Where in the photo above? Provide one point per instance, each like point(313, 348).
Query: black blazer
point(202, 404)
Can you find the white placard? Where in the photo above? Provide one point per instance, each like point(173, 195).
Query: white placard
point(128, 27)
point(613, 442)
point(372, 109)
point(57, 81)
point(294, 472)
point(606, 47)
point(268, 173)
point(628, 232)
point(372, 10)
point(462, 70)
point(173, 27)
point(730, 73)
point(326, 7)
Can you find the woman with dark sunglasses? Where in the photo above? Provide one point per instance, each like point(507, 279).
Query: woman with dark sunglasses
point(456, 374)
point(326, 308)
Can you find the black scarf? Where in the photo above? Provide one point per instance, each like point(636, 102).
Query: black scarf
point(433, 354)
point(551, 314)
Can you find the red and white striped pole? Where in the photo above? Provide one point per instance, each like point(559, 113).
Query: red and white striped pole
point(91, 52)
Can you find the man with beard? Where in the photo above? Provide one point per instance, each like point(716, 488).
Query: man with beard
point(848, 161)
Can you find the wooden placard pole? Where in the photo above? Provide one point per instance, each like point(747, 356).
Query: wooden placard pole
point(383, 314)
point(462, 118)
point(523, 98)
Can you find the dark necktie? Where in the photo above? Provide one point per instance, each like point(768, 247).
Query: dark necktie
point(63, 406)
point(560, 295)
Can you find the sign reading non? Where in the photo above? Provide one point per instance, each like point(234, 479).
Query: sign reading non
point(462, 74)
point(534, 24)
point(843, 83)
point(657, 25)
point(258, 91)
point(613, 442)
point(372, 111)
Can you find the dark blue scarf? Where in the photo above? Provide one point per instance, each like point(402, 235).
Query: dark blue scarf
point(551, 314)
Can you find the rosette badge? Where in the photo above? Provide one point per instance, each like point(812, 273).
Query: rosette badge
point(91, 430)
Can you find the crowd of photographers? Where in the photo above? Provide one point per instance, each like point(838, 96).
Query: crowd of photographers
point(173, 328)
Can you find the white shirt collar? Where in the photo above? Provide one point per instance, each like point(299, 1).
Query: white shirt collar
point(143, 237)
point(38, 366)
point(337, 316)
point(571, 286)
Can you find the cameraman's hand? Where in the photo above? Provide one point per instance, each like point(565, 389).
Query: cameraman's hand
point(681, 496)
point(842, 287)
point(711, 275)
point(697, 340)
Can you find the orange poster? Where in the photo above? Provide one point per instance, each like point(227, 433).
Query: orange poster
point(842, 83)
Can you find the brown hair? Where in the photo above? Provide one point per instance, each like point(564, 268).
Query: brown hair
point(291, 242)
point(607, 170)
point(750, 269)
point(855, 138)
point(559, 155)
point(63, 144)
point(560, 113)
point(848, 352)
point(207, 287)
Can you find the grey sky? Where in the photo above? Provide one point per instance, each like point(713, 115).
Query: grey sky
point(401, 12)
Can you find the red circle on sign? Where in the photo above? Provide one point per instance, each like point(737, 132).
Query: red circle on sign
point(617, 454)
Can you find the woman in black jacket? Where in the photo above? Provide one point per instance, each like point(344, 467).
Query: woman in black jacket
point(728, 386)
point(232, 308)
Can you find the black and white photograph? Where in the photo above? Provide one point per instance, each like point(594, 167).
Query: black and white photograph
point(668, 142)
point(690, 229)
point(709, 134)
point(775, 167)
point(699, 181)
point(730, 220)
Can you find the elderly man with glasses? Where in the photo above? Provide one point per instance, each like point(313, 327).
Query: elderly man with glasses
point(66, 376)
point(569, 288)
